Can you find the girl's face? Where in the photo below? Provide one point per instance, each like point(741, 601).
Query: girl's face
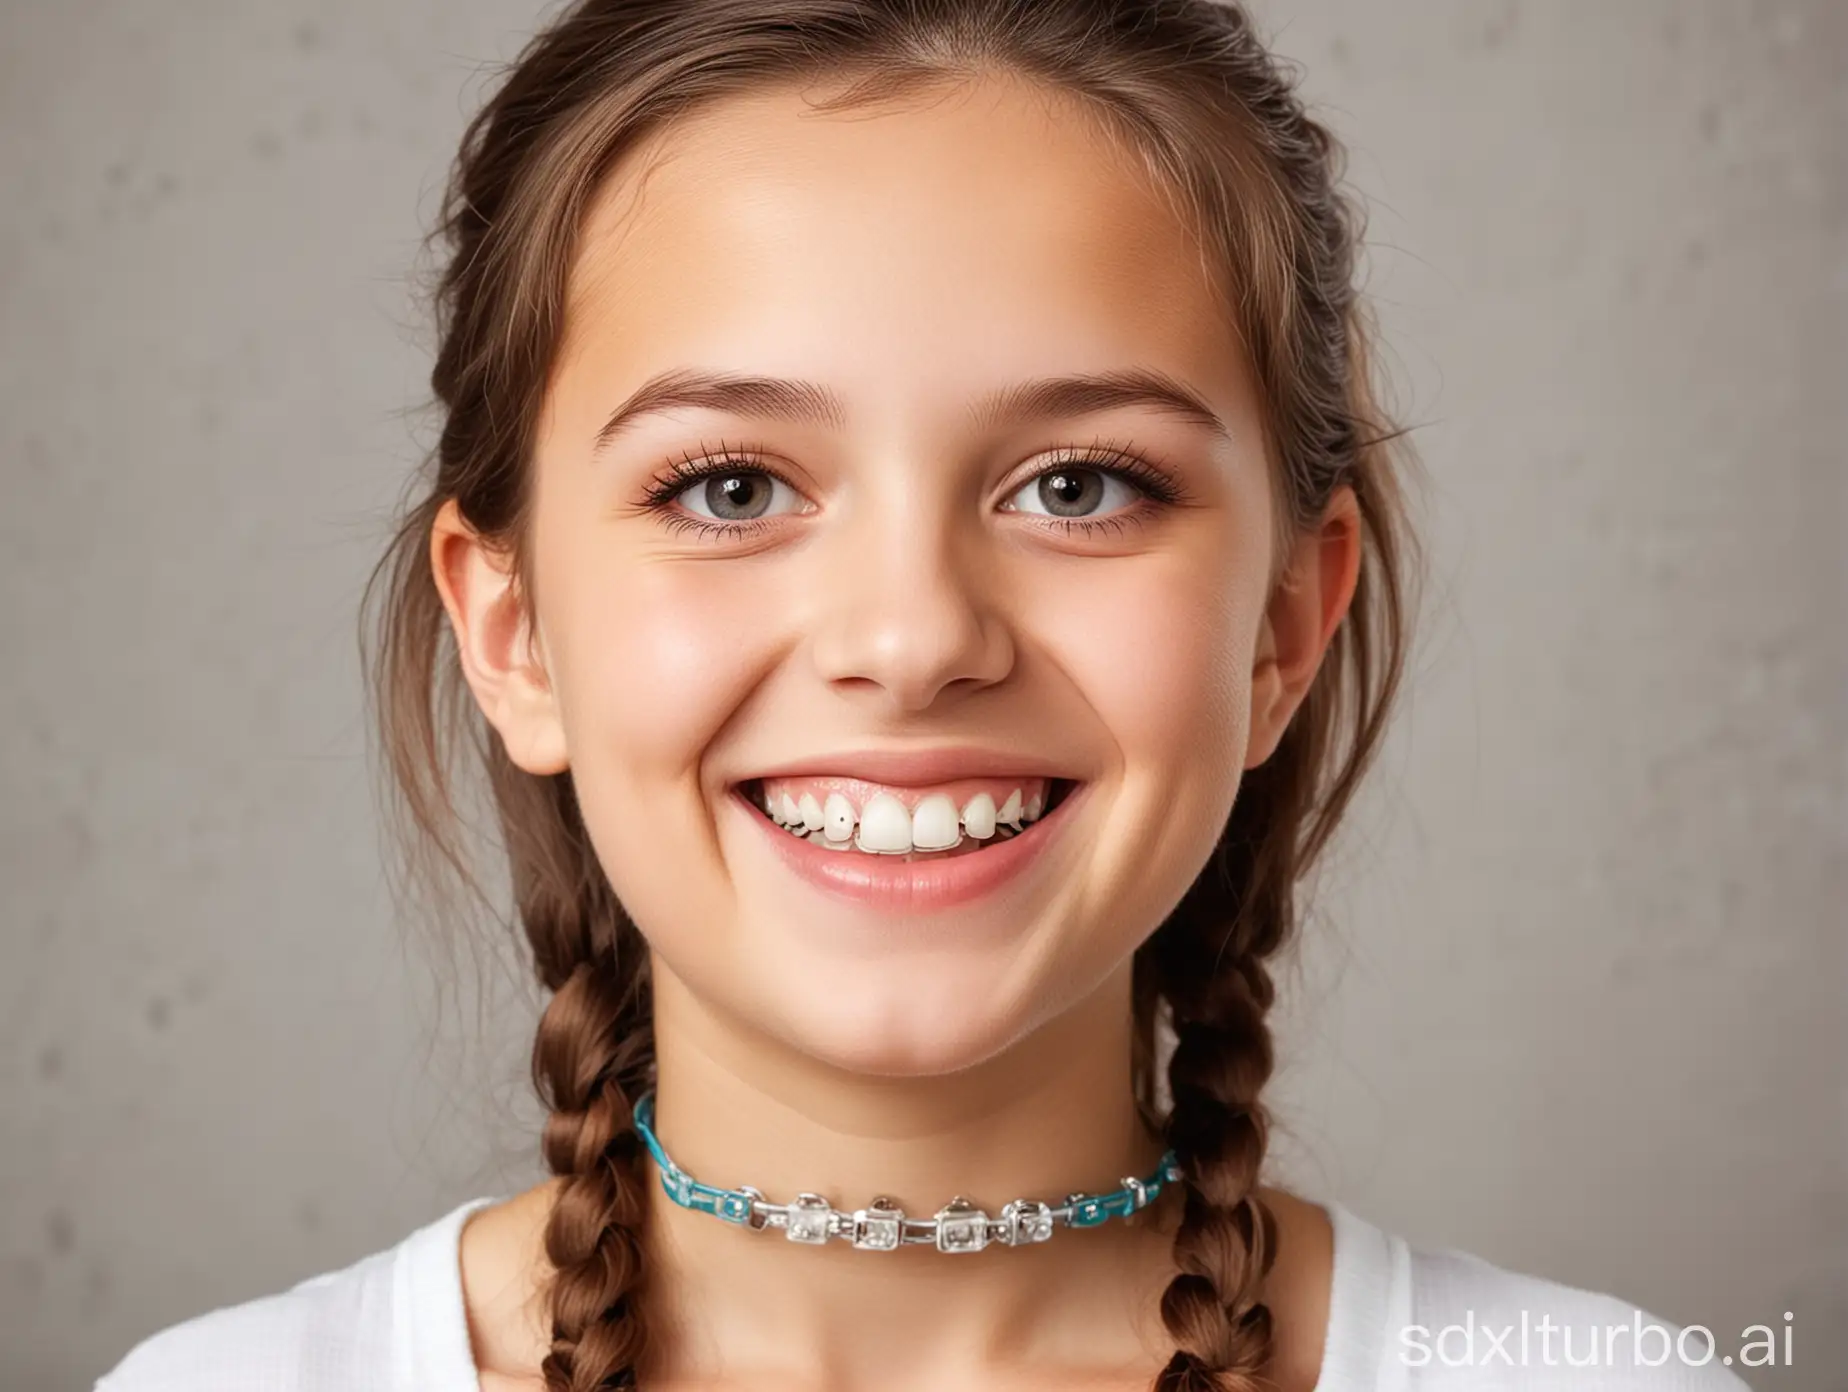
point(893, 462)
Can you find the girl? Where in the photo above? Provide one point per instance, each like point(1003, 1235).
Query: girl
point(913, 521)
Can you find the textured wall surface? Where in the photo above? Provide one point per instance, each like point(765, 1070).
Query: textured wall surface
point(1573, 997)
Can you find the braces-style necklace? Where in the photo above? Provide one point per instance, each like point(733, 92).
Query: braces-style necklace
point(959, 1226)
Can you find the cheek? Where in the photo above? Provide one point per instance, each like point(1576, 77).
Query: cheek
point(650, 661)
point(652, 664)
point(1160, 653)
point(1160, 650)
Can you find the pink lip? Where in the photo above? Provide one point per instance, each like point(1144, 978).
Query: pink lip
point(912, 767)
point(917, 886)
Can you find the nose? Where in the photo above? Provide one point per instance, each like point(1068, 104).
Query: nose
point(911, 612)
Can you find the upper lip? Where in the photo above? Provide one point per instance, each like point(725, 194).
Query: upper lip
point(902, 767)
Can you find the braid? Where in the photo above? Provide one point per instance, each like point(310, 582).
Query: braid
point(592, 1058)
point(1226, 1243)
point(1210, 966)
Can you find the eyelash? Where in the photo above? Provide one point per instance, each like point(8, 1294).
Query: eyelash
point(1101, 456)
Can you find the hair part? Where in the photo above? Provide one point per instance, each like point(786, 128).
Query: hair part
point(1187, 87)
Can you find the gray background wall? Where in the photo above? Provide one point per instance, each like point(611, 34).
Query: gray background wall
point(1574, 994)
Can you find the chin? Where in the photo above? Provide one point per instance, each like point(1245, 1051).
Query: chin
point(899, 1020)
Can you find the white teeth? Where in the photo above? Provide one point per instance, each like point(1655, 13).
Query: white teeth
point(978, 816)
point(935, 825)
point(885, 825)
point(838, 817)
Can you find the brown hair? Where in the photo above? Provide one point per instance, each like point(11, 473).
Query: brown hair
point(1189, 87)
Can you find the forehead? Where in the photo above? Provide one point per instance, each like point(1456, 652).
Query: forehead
point(991, 230)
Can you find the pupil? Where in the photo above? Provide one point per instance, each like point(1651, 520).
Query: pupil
point(737, 497)
point(1070, 492)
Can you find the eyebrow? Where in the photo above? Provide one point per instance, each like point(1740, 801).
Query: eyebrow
point(809, 403)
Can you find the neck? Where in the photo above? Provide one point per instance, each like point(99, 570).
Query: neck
point(728, 1306)
point(1051, 1114)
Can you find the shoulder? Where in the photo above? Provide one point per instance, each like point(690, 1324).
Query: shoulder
point(322, 1333)
point(391, 1320)
point(1476, 1325)
point(334, 1330)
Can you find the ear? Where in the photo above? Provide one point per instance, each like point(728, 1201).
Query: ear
point(501, 659)
point(1311, 598)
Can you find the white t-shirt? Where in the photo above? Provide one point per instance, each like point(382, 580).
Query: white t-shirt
point(395, 1322)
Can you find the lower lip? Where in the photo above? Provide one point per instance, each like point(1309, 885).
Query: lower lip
point(914, 886)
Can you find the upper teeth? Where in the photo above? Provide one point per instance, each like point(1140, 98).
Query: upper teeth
point(885, 826)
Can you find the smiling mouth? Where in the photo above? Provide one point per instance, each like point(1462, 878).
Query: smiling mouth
point(875, 831)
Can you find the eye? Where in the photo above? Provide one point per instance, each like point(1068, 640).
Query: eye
point(1075, 491)
point(732, 494)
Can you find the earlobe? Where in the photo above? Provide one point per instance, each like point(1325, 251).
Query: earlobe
point(501, 657)
point(1305, 611)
